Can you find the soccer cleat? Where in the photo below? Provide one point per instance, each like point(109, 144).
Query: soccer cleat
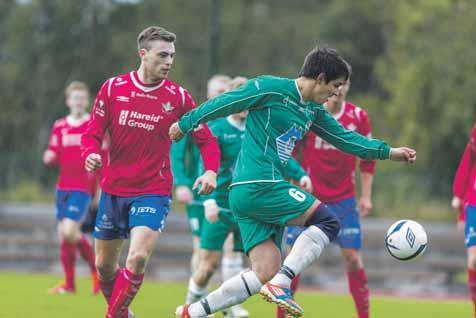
point(61, 289)
point(282, 297)
point(182, 312)
point(95, 281)
point(236, 311)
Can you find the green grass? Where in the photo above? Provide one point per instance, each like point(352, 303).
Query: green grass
point(24, 296)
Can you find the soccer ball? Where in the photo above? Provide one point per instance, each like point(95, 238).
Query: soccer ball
point(406, 239)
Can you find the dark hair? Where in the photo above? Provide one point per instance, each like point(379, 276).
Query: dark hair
point(153, 33)
point(325, 60)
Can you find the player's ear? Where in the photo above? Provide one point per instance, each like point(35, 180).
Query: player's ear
point(142, 52)
point(321, 78)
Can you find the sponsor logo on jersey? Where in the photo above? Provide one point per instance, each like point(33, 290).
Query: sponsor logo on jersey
point(69, 140)
point(144, 95)
point(122, 99)
point(167, 107)
point(138, 120)
point(170, 90)
point(229, 136)
point(285, 143)
point(352, 127)
point(120, 81)
point(100, 108)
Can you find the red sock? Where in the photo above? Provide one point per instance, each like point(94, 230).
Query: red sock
point(472, 287)
point(68, 260)
point(126, 287)
point(280, 313)
point(86, 252)
point(107, 286)
point(359, 289)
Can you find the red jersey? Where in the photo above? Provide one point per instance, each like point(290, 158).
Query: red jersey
point(332, 171)
point(137, 117)
point(464, 186)
point(65, 142)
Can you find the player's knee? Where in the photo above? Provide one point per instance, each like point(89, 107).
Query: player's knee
point(472, 261)
point(205, 271)
point(325, 220)
point(71, 236)
point(266, 271)
point(353, 262)
point(137, 260)
point(104, 268)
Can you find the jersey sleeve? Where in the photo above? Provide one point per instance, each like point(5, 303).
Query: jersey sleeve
point(365, 129)
point(293, 170)
point(245, 97)
point(91, 140)
point(460, 183)
point(461, 180)
point(177, 162)
point(325, 126)
point(203, 138)
point(54, 143)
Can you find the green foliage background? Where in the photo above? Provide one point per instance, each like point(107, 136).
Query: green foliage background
point(413, 62)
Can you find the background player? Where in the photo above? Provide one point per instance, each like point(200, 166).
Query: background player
point(333, 176)
point(184, 157)
point(281, 111)
point(464, 196)
point(75, 186)
point(136, 109)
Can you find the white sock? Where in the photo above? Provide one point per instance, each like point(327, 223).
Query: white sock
point(233, 291)
point(195, 292)
point(307, 249)
point(231, 266)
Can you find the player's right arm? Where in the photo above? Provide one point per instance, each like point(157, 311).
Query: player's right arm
point(91, 140)
point(325, 126)
point(243, 98)
point(52, 153)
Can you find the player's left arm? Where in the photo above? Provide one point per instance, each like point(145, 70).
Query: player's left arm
point(354, 143)
point(209, 151)
point(367, 167)
point(294, 170)
point(52, 153)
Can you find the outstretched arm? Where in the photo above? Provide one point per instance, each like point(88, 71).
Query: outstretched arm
point(245, 97)
point(354, 143)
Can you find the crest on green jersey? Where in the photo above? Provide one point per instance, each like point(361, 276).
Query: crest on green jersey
point(285, 143)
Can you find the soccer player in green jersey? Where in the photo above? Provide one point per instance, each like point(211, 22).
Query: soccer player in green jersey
point(281, 111)
point(184, 156)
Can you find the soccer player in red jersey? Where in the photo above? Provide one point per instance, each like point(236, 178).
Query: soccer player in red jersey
point(136, 110)
point(464, 197)
point(75, 185)
point(333, 177)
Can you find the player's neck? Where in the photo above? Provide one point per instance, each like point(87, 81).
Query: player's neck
point(236, 122)
point(147, 78)
point(77, 119)
point(334, 107)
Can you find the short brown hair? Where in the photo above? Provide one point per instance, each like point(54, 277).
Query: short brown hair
point(153, 33)
point(76, 86)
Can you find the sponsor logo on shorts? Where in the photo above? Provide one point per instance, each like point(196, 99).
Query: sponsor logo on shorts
point(73, 208)
point(351, 231)
point(104, 224)
point(143, 210)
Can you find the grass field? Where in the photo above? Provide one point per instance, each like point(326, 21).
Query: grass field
point(24, 296)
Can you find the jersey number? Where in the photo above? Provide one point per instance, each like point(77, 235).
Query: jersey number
point(298, 195)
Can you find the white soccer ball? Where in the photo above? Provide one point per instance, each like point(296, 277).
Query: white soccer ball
point(406, 239)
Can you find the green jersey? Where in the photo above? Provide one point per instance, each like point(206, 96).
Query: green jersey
point(184, 156)
point(278, 117)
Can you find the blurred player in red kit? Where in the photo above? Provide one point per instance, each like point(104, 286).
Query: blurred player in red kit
point(75, 186)
point(136, 109)
point(464, 201)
